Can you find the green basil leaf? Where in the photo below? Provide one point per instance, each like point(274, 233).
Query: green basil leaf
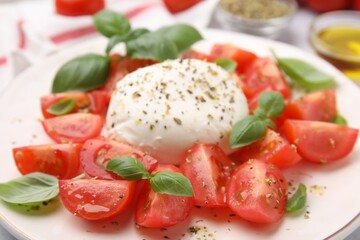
point(304, 74)
point(31, 188)
point(270, 123)
point(128, 168)
point(83, 73)
point(183, 35)
point(271, 103)
point(227, 64)
point(298, 200)
point(151, 46)
point(171, 183)
point(247, 131)
point(338, 119)
point(110, 23)
point(61, 107)
point(116, 39)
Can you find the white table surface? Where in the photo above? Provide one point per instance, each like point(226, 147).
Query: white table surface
point(296, 34)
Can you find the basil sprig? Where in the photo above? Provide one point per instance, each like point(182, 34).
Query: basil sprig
point(338, 119)
point(164, 182)
point(83, 73)
point(298, 200)
point(91, 71)
point(304, 74)
point(253, 128)
point(61, 107)
point(31, 188)
point(227, 64)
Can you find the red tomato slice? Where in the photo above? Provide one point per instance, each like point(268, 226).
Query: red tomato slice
point(95, 199)
point(316, 106)
point(208, 169)
point(257, 192)
point(95, 102)
point(271, 149)
point(264, 74)
point(78, 7)
point(175, 6)
point(97, 152)
point(320, 141)
point(242, 57)
point(328, 5)
point(75, 127)
point(120, 67)
point(156, 210)
point(59, 160)
point(196, 55)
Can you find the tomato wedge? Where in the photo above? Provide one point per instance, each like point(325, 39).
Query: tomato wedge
point(272, 149)
point(320, 142)
point(97, 152)
point(196, 55)
point(156, 210)
point(75, 127)
point(175, 6)
point(257, 192)
point(78, 7)
point(316, 106)
point(264, 74)
point(96, 199)
point(208, 169)
point(95, 102)
point(59, 160)
point(120, 67)
point(242, 57)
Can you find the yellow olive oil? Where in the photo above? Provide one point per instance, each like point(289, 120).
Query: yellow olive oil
point(343, 45)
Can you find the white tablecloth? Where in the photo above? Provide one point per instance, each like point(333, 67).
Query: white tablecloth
point(296, 35)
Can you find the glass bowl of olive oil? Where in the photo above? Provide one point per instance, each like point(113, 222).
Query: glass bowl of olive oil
point(266, 18)
point(335, 36)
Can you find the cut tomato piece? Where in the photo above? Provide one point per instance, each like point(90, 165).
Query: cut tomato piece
point(242, 57)
point(175, 6)
point(155, 210)
point(95, 102)
point(196, 55)
point(263, 74)
point(78, 7)
point(316, 106)
point(59, 160)
point(120, 67)
point(272, 149)
point(208, 169)
point(97, 152)
point(320, 142)
point(96, 199)
point(257, 192)
point(75, 127)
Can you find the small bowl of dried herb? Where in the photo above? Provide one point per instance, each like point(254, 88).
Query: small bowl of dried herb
point(266, 18)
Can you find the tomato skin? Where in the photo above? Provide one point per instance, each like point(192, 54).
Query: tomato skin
point(120, 67)
point(95, 102)
point(320, 142)
point(242, 57)
point(156, 210)
point(327, 5)
point(75, 127)
point(263, 74)
point(96, 199)
point(272, 149)
point(78, 7)
point(316, 106)
point(175, 6)
point(59, 160)
point(96, 152)
point(356, 4)
point(208, 169)
point(257, 192)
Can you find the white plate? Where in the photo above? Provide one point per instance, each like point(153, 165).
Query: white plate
point(333, 213)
